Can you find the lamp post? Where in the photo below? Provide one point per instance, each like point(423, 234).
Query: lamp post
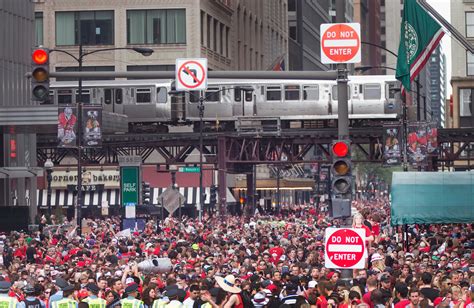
point(48, 165)
point(201, 108)
point(80, 59)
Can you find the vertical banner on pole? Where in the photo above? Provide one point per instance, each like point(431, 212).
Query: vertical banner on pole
point(67, 126)
point(417, 143)
point(392, 154)
point(92, 126)
point(129, 187)
point(432, 137)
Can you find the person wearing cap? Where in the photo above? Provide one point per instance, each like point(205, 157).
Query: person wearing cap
point(93, 299)
point(291, 298)
point(175, 296)
point(131, 300)
point(311, 293)
point(61, 283)
point(68, 300)
point(5, 300)
point(30, 300)
point(260, 299)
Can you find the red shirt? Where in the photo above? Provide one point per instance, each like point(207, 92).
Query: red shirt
point(366, 299)
point(321, 302)
point(403, 303)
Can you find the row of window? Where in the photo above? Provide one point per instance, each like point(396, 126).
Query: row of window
point(97, 27)
point(143, 95)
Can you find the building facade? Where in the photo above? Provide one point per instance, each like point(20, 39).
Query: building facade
point(231, 34)
point(368, 14)
point(438, 86)
point(304, 20)
point(20, 117)
point(462, 65)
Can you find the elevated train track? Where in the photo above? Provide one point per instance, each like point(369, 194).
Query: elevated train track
point(236, 151)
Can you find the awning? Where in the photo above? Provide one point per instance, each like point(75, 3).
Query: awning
point(20, 172)
point(65, 198)
point(432, 197)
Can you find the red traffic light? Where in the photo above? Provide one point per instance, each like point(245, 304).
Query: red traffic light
point(40, 56)
point(340, 148)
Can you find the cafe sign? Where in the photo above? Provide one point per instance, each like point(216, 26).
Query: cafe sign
point(107, 178)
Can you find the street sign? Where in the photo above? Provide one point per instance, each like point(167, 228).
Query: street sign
point(191, 74)
point(171, 199)
point(189, 169)
point(340, 43)
point(344, 248)
point(129, 185)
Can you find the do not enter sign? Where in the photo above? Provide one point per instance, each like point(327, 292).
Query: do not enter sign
point(340, 43)
point(344, 248)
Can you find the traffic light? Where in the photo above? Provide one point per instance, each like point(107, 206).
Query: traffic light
point(213, 200)
point(40, 75)
point(341, 178)
point(146, 193)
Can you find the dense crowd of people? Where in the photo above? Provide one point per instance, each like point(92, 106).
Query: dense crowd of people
point(258, 261)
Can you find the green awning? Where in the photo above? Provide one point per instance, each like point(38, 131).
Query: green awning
point(432, 197)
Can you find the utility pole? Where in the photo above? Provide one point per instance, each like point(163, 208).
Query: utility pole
point(342, 100)
point(79, 149)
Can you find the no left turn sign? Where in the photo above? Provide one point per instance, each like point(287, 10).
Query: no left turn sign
point(191, 74)
point(340, 43)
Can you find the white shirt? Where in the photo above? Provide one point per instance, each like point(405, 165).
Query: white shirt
point(188, 302)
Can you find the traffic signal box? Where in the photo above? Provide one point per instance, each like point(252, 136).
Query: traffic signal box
point(341, 179)
point(213, 197)
point(40, 75)
point(146, 193)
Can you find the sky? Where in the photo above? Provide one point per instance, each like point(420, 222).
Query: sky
point(444, 8)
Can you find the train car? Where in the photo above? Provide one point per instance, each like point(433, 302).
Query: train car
point(145, 103)
point(149, 106)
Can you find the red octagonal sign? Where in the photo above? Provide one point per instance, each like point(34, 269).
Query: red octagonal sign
point(345, 248)
point(340, 43)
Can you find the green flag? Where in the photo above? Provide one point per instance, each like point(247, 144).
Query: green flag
point(419, 36)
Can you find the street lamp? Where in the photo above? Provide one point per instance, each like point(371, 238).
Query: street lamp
point(79, 59)
point(201, 108)
point(48, 165)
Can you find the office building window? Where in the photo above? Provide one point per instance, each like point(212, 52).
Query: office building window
point(156, 26)
point(469, 24)
point(87, 28)
point(469, 64)
point(39, 28)
point(465, 105)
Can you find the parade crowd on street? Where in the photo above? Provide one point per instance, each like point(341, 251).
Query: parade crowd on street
point(259, 261)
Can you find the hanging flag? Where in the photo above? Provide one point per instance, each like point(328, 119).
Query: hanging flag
point(419, 36)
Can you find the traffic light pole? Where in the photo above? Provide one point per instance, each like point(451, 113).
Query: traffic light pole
point(201, 193)
point(342, 104)
point(79, 149)
point(342, 100)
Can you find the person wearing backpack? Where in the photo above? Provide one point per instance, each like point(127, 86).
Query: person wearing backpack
point(30, 300)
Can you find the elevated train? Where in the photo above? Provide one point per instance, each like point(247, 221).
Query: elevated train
point(149, 106)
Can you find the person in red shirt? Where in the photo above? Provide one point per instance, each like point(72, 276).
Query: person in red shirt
point(401, 292)
point(371, 285)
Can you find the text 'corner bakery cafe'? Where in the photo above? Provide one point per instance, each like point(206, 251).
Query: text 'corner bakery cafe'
point(101, 186)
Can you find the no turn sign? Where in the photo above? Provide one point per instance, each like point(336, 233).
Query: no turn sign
point(340, 43)
point(344, 248)
point(191, 74)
